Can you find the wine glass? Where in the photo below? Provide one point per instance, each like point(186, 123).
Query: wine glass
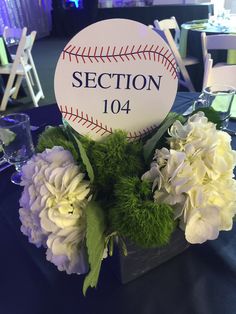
point(16, 141)
point(220, 98)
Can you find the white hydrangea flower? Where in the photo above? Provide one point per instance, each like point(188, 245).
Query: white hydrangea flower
point(196, 177)
point(52, 207)
point(64, 251)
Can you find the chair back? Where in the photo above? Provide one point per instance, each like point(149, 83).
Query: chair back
point(217, 42)
point(29, 42)
point(224, 74)
point(165, 26)
point(22, 67)
point(19, 52)
point(170, 24)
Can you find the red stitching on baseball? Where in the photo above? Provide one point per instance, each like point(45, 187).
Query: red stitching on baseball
point(126, 52)
point(82, 55)
point(166, 58)
point(155, 52)
point(101, 56)
point(120, 54)
point(160, 54)
point(150, 58)
point(95, 125)
point(95, 51)
point(89, 56)
point(71, 111)
point(66, 112)
point(170, 61)
point(72, 49)
point(138, 52)
point(110, 54)
point(91, 123)
point(76, 116)
point(144, 52)
point(108, 58)
point(100, 127)
point(113, 54)
point(65, 51)
point(132, 54)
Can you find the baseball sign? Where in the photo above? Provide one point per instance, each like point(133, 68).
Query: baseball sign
point(115, 74)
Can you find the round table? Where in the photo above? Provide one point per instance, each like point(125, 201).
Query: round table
point(190, 44)
point(211, 26)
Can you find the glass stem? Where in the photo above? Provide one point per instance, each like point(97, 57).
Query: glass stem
point(18, 167)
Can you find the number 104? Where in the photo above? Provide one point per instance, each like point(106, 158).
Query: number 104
point(116, 107)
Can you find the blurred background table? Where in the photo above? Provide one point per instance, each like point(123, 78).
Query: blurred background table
point(190, 43)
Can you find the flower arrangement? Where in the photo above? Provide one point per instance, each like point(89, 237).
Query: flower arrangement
point(80, 195)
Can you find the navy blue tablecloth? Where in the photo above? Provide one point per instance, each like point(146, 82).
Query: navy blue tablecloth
point(202, 280)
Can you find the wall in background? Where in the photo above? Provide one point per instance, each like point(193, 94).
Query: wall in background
point(69, 22)
point(138, 3)
point(231, 5)
point(34, 14)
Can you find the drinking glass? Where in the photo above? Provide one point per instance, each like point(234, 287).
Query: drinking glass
point(218, 97)
point(16, 141)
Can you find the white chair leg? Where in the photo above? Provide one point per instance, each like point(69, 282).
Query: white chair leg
point(36, 77)
point(8, 92)
point(4, 102)
point(31, 91)
point(17, 86)
point(31, 78)
point(187, 81)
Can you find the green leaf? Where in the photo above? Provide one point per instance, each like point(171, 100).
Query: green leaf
point(73, 136)
point(55, 136)
point(85, 159)
point(150, 145)
point(95, 241)
point(109, 242)
point(212, 115)
point(123, 246)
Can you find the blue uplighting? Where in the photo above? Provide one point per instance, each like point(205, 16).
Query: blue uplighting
point(76, 2)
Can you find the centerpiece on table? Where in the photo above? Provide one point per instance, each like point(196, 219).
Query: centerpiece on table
point(121, 171)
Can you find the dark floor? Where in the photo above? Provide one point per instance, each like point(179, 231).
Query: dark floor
point(46, 52)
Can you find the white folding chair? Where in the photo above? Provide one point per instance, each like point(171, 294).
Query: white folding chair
point(166, 26)
point(224, 74)
point(217, 42)
point(29, 45)
point(19, 69)
point(219, 72)
point(173, 25)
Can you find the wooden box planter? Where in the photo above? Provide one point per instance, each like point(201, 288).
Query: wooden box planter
point(139, 261)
